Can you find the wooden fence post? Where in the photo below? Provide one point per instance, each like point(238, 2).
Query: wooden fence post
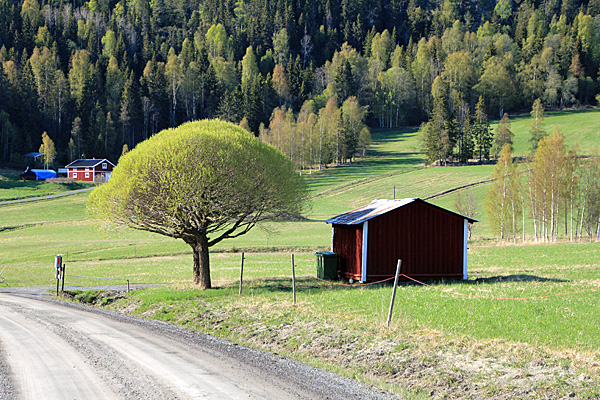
point(294, 279)
point(241, 275)
point(394, 293)
point(62, 288)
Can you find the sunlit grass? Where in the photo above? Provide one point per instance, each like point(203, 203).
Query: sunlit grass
point(580, 128)
point(12, 188)
point(537, 295)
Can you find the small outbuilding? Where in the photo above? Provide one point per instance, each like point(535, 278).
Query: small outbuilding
point(430, 240)
point(34, 155)
point(91, 170)
point(37, 174)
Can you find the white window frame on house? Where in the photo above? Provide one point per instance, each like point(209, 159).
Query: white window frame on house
point(74, 175)
point(87, 174)
point(104, 166)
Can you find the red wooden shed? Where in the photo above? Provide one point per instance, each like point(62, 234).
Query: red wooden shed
point(90, 170)
point(430, 240)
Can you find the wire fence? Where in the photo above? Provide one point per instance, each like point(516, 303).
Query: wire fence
point(354, 285)
point(500, 298)
point(457, 293)
point(351, 284)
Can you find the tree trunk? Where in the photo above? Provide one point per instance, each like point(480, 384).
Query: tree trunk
point(201, 262)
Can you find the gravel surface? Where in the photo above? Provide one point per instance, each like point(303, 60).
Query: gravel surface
point(126, 357)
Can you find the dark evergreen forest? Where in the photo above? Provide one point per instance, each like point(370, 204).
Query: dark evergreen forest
point(102, 74)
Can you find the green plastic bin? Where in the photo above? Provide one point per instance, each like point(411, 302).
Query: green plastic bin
point(327, 265)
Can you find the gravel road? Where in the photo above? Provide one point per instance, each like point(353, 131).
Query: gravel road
point(56, 350)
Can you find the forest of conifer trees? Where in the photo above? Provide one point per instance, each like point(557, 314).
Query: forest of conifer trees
point(306, 75)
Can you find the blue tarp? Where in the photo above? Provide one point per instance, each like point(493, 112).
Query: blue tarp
point(44, 173)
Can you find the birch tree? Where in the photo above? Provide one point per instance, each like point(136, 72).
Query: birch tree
point(502, 200)
point(548, 167)
point(48, 150)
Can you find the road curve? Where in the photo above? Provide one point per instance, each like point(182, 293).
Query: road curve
point(53, 350)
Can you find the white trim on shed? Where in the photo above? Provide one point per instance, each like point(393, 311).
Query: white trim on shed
point(332, 234)
point(465, 241)
point(365, 242)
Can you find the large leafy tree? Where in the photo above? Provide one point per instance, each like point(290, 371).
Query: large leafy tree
point(352, 121)
point(201, 182)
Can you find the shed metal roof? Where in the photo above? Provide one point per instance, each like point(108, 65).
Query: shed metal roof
point(34, 154)
point(379, 207)
point(88, 163)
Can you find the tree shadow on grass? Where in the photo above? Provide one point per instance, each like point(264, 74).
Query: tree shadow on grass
point(492, 279)
point(514, 278)
point(278, 284)
point(14, 228)
point(517, 278)
point(304, 283)
point(18, 184)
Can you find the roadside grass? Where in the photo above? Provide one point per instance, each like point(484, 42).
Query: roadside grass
point(537, 294)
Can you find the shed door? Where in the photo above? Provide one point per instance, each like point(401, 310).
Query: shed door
point(347, 242)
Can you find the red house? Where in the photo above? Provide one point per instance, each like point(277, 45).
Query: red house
point(94, 170)
point(431, 241)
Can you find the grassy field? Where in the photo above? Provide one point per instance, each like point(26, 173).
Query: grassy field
point(525, 323)
point(11, 188)
point(580, 128)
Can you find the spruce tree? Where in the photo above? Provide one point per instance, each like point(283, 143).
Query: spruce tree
point(537, 124)
point(504, 135)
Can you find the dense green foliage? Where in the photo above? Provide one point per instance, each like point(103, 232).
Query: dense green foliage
point(202, 182)
point(100, 74)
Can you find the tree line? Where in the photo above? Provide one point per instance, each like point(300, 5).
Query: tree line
point(316, 138)
point(558, 193)
point(102, 74)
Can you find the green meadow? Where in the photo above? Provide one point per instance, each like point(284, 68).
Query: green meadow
point(580, 128)
point(529, 310)
point(12, 188)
